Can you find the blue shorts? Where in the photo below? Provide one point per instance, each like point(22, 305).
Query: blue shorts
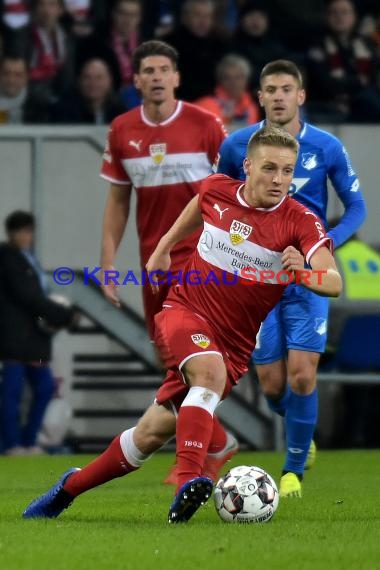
point(298, 321)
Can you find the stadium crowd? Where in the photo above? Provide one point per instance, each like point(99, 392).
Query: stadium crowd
point(55, 53)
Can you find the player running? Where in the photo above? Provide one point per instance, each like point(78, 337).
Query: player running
point(206, 332)
point(163, 149)
point(294, 334)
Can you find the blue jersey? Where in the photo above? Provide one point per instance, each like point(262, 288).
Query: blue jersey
point(321, 157)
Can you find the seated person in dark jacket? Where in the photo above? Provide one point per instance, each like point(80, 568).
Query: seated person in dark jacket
point(25, 349)
point(18, 104)
point(199, 47)
point(94, 100)
point(255, 39)
point(344, 69)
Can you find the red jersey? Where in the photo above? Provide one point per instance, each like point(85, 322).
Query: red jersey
point(235, 237)
point(165, 163)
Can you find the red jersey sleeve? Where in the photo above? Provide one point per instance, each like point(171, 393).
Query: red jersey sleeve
point(112, 168)
point(215, 133)
point(206, 185)
point(311, 234)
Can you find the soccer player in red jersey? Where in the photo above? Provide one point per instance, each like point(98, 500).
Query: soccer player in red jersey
point(206, 332)
point(163, 149)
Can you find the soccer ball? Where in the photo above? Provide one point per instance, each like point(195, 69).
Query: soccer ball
point(246, 494)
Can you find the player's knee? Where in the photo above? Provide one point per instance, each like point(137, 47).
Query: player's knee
point(209, 372)
point(303, 380)
point(271, 384)
point(209, 379)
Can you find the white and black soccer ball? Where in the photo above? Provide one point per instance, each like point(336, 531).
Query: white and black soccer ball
point(246, 494)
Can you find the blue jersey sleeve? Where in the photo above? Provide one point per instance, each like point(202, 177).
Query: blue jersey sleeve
point(347, 186)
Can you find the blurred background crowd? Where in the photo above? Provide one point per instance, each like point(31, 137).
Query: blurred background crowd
point(69, 61)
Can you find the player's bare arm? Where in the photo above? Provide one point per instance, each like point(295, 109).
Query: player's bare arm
point(114, 222)
point(188, 221)
point(325, 279)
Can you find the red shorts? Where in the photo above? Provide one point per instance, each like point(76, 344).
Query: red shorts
point(153, 305)
point(180, 335)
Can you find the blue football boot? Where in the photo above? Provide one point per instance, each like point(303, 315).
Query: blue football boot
point(53, 502)
point(189, 498)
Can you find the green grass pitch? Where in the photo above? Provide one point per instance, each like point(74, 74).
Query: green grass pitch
point(122, 525)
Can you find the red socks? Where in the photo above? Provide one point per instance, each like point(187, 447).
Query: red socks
point(111, 464)
point(194, 431)
point(219, 437)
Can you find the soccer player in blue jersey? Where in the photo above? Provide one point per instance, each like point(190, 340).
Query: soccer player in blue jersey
point(293, 335)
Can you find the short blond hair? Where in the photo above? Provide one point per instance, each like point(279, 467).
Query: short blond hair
point(272, 136)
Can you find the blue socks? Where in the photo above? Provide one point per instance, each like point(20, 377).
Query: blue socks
point(300, 422)
point(301, 414)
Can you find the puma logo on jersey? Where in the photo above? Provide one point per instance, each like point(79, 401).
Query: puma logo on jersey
point(220, 212)
point(136, 144)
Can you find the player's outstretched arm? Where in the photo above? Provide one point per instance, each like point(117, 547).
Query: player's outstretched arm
point(188, 221)
point(324, 278)
point(114, 222)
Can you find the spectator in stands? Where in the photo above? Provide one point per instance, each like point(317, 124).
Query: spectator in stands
point(254, 40)
point(51, 57)
point(232, 101)
point(83, 16)
point(17, 103)
point(296, 24)
point(199, 48)
point(125, 35)
point(343, 69)
point(116, 40)
point(25, 348)
point(376, 32)
point(94, 100)
point(15, 19)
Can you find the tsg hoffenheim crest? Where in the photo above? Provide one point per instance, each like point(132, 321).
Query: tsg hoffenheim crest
point(320, 326)
point(239, 232)
point(309, 160)
point(157, 151)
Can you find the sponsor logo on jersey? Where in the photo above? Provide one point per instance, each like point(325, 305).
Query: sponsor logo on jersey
point(136, 144)
point(206, 241)
point(355, 185)
point(220, 212)
point(350, 170)
point(317, 224)
point(239, 232)
point(107, 155)
point(320, 229)
point(320, 326)
point(137, 174)
point(297, 184)
point(200, 340)
point(309, 160)
point(157, 151)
